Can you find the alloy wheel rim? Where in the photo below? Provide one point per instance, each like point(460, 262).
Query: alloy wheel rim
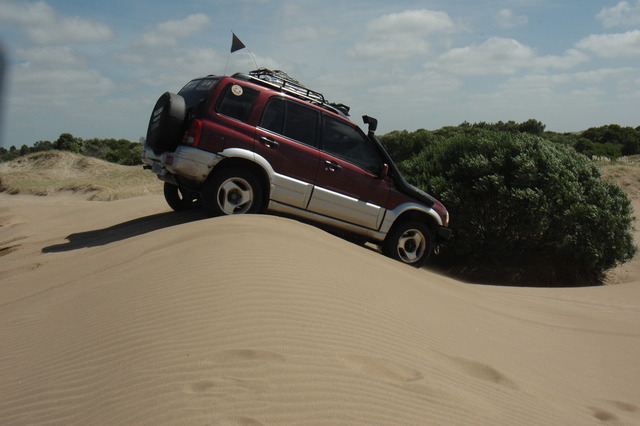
point(235, 196)
point(411, 246)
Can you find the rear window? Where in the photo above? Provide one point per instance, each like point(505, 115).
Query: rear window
point(197, 90)
point(237, 101)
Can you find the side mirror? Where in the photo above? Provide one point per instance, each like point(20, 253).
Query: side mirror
point(372, 122)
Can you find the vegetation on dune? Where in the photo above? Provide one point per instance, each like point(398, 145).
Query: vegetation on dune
point(524, 210)
point(119, 151)
point(50, 172)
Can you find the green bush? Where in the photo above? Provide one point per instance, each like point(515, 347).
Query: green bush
point(524, 209)
point(119, 151)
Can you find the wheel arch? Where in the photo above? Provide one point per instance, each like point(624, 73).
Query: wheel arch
point(417, 215)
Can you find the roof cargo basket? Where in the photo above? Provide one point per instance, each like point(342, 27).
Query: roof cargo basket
point(283, 82)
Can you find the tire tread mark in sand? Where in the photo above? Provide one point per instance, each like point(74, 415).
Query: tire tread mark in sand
point(8, 249)
point(607, 415)
point(603, 415)
point(241, 358)
point(246, 355)
point(624, 406)
point(398, 375)
point(224, 384)
point(483, 371)
point(382, 368)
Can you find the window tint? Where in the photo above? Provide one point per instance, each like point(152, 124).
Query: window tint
point(237, 101)
point(348, 143)
point(196, 91)
point(273, 116)
point(300, 123)
point(291, 119)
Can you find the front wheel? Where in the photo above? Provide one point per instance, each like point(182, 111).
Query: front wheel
point(232, 191)
point(409, 242)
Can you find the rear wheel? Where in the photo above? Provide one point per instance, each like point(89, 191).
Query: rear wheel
point(232, 191)
point(180, 199)
point(410, 242)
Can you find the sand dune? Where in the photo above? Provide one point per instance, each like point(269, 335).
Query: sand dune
point(123, 313)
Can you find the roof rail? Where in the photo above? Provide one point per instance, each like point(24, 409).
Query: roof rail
point(280, 80)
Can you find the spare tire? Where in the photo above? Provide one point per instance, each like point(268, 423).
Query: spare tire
point(166, 125)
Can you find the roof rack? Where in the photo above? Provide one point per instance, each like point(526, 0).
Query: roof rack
point(283, 82)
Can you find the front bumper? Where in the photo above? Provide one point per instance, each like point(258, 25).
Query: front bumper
point(445, 233)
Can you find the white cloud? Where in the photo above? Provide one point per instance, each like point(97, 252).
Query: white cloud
point(37, 87)
point(426, 85)
point(396, 47)
point(502, 56)
point(55, 76)
point(599, 75)
point(570, 59)
point(507, 19)
point(495, 56)
point(44, 25)
point(622, 14)
point(307, 33)
point(173, 69)
point(563, 101)
point(420, 22)
point(52, 57)
point(533, 84)
point(166, 34)
point(612, 45)
point(401, 35)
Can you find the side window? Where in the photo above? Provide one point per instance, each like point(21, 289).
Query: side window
point(300, 123)
point(348, 143)
point(292, 120)
point(237, 101)
point(273, 116)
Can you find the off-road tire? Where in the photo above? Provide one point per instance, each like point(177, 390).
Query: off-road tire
point(232, 191)
point(180, 199)
point(166, 124)
point(410, 242)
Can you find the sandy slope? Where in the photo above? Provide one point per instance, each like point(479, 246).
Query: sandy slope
point(122, 313)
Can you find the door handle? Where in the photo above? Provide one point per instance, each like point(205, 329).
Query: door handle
point(269, 143)
point(332, 166)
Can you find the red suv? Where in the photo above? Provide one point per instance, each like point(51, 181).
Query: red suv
point(261, 141)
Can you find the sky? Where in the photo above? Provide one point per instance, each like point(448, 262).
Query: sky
point(95, 68)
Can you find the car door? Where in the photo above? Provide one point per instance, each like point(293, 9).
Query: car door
point(348, 186)
point(287, 138)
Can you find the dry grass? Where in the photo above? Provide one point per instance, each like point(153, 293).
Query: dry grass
point(626, 176)
point(52, 172)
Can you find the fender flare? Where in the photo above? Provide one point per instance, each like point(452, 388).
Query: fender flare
point(245, 154)
point(408, 208)
point(231, 154)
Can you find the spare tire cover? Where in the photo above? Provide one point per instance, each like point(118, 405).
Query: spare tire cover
point(166, 123)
